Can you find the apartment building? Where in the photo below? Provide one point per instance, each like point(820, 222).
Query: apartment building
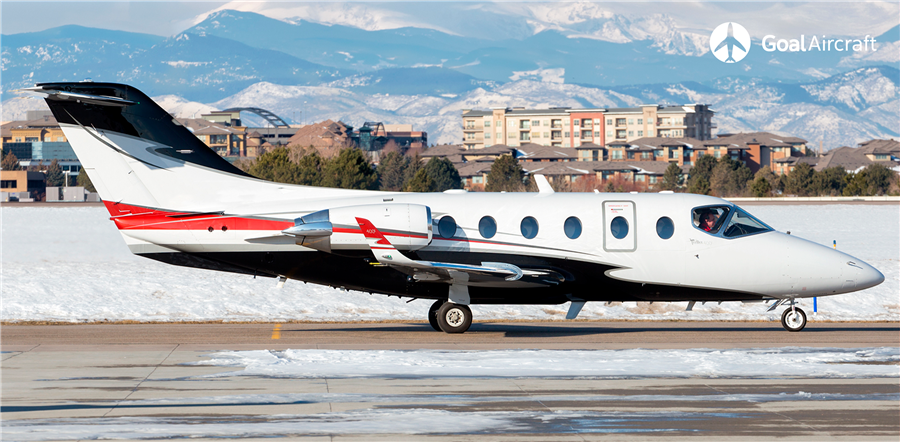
point(567, 127)
point(226, 139)
point(651, 120)
point(759, 149)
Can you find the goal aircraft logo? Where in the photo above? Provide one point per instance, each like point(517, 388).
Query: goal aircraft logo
point(729, 42)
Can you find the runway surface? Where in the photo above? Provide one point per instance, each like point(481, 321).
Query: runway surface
point(75, 382)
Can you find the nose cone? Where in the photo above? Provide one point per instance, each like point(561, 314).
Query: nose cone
point(866, 275)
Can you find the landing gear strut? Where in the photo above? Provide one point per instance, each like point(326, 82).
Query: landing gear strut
point(793, 319)
point(453, 318)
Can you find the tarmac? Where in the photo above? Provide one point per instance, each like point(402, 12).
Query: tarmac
point(106, 377)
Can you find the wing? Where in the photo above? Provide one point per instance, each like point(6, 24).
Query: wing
point(721, 45)
point(487, 274)
point(735, 43)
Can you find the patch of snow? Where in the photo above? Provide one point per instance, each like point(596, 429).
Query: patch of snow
point(184, 64)
point(630, 363)
point(556, 75)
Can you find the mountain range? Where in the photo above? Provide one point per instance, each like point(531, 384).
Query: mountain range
point(426, 76)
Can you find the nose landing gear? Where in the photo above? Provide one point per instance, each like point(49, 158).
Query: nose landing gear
point(793, 319)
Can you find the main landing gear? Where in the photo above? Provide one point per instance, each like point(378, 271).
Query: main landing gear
point(793, 319)
point(449, 317)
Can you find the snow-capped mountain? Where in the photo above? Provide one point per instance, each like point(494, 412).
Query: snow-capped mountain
point(754, 106)
point(423, 62)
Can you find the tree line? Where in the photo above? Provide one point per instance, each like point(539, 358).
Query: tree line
point(726, 177)
point(353, 169)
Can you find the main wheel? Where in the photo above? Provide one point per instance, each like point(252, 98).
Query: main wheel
point(454, 318)
point(793, 320)
point(432, 314)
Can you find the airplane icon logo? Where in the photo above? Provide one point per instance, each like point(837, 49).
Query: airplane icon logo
point(729, 42)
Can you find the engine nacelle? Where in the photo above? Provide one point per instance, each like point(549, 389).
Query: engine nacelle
point(406, 226)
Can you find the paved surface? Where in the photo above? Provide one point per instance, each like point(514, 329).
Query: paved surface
point(482, 335)
point(103, 377)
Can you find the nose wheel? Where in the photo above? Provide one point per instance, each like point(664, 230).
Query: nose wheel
point(793, 319)
point(453, 318)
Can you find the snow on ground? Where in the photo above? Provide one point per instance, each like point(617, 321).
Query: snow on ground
point(632, 363)
point(70, 264)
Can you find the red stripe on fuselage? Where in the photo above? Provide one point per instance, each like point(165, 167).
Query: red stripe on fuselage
point(135, 217)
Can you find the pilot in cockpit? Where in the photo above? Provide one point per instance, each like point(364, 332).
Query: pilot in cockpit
point(708, 220)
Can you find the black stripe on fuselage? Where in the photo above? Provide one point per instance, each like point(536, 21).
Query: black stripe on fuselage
point(353, 270)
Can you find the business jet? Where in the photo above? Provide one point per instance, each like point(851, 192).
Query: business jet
point(175, 200)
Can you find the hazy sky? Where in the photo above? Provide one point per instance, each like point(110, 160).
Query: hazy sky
point(166, 18)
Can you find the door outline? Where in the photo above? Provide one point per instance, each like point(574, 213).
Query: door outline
point(632, 226)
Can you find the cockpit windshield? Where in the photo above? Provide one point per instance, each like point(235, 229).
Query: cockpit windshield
point(730, 221)
point(710, 219)
point(742, 224)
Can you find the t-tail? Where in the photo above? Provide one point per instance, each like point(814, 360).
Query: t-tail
point(138, 154)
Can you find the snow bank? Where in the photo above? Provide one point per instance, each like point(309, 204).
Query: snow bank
point(70, 264)
point(632, 363)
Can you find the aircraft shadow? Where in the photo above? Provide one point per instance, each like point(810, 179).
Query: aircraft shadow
point(517, 330)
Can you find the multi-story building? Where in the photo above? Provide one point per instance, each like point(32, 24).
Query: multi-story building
point(682, 151)
point(566, 127)
point(759, 149)
point(226, 139)
point(651, 120)
point(39, 140)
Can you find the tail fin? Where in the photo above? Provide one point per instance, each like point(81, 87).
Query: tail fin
point(135, 152)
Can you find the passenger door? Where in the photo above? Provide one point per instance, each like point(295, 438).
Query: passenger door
point(619, 227)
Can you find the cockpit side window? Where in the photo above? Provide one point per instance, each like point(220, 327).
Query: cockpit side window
point(743, 224)
point(710, 219)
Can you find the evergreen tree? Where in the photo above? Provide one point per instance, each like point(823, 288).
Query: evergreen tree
point(799, 181)
point(84, 180)
point(55, 176)
point(875, 179)
point(415, 163)
point(729, 177)
point(768, 175)
point(422, 182)
point(761, 186)
point(309, 169)
point(506, 175)
point(392, 171)
point(700, 175)
point(829, 182)
point(350, 169)
point(879, 179)
point(10, 162)
point(672, 178)
point(277, 166)
point(444, 174)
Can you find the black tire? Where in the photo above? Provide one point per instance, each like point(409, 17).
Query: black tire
point(432, 314)
point(793, 323)
point(454, 318)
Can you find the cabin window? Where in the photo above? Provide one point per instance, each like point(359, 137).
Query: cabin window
point(487, 227)
point(619, 227)
point(710, 219)
point(529, 227)
point(572, 227)
point(665, 228)
point(447, 227)
point(743, 224)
